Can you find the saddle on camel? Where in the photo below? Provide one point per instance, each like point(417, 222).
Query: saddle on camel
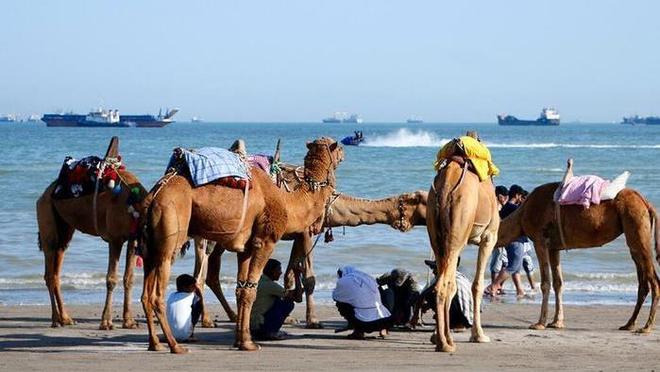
point(587, 212)
point(250, 226)
point(462, 209)
point(98, 197)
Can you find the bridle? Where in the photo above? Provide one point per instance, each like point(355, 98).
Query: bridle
point(316, 185)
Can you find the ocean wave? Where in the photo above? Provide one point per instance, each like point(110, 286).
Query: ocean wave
point(406, 138)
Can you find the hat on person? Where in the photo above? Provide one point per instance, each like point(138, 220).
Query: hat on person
point(501, 190)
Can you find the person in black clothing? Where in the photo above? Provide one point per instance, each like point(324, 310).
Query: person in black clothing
point(398, 292)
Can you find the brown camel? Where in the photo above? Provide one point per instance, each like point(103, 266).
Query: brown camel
point(462, 210)
point(402, 212)
point(629, 214)
point(59, 218)
point(176, 210)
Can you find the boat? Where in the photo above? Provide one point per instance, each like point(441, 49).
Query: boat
point(343, 117)
point(353, 140)
point(414, 120)
point(196, 119)
point(10, 118)
point(637, 120)
point(109, 118)
point(549, 117)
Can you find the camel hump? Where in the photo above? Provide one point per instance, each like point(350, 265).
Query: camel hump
point(113, 148)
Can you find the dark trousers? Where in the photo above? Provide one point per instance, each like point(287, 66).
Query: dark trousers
point(275, 316)
point(196, 312)
point(348, 312)
point(399, 303)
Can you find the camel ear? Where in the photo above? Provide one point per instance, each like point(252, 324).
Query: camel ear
point(309, 145)
point(333, 146)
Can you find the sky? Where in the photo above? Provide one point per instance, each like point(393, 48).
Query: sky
point(595, 61)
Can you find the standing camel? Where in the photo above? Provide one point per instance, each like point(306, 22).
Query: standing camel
point(402, 212)
point(629, 213)
point(462, 210)
point(176, 210)
point(59, 218)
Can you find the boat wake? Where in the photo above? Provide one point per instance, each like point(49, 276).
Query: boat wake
point(405, 138)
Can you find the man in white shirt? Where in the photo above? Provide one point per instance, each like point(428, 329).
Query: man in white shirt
point(358, 300)
point(184, 308)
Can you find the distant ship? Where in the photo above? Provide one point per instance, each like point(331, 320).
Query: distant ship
point(196, 119)
point(636, 119)
point(548, 117)
point(343, 117)
point(109, 118)
point(414, 120)
point(7, 118)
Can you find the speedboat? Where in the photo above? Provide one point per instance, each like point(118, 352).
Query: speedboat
point(353, 140)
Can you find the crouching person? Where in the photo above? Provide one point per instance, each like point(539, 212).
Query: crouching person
point(184, 308)
point(273, 303)
point(358, 301)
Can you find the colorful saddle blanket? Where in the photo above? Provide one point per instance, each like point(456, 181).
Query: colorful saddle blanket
point(209, 164)
point(78, 177)
point(588, 190)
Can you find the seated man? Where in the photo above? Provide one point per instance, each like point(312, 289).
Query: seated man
point(460, 310)
point(184, 308)
point(358, 301)
point(273, 303)
point(398, 292)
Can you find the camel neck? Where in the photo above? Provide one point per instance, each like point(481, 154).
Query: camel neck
point(349, 211)
point(305, 206)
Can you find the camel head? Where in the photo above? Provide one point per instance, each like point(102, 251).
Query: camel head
point(411, 211)
point(323, 157)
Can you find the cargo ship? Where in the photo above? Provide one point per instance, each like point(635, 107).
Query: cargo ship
point(637, 120)
point(343, 117)
point(109, 119)
point(549, 117)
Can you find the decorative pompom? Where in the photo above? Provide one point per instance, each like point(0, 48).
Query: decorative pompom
point(111, 184)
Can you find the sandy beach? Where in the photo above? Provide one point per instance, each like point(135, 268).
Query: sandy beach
point(590, 342)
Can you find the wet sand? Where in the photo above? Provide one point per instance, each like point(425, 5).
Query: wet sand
point(591, 341)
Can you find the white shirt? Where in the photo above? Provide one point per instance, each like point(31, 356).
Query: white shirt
point(179, 314)
point(360, 290)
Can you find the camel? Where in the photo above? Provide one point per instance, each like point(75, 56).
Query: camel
point(58, 219)
point(248, 226)
point(629, 213)
point(401, 212)
point(462, 209)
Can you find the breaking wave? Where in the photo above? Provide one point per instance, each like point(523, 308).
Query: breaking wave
point(406, 138)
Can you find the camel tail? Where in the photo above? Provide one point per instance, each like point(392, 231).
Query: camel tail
point(53, 233)
point(656, 229)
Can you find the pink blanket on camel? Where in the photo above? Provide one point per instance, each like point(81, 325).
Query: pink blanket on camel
point(583, 190)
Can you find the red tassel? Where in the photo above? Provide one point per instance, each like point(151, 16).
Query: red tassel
point(138, 262)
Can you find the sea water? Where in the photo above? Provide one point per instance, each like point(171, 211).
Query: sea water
point(395, 158)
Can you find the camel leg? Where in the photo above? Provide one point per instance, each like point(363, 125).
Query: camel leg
point(129, 321)
point(654, 283)
point(642, 293)
point(49, 278)
point(443, 341)
point(148, 293)
point(200, 274)
point(557, 283)
point(162, 278)
point(544, 267)
point(110, 283)
point(213, 281)
point(485, 250)
point(250, 269)
point(309, 281)
point(58, 259)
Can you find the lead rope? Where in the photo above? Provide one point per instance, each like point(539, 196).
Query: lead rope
point(558, 218)
point(96, 194)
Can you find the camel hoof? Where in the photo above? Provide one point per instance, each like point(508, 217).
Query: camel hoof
point(627, 327)
point(55, 324)
point(537, 326)
point(643, 331)
point(67, 321)
point(178, 349)
point(445, 348)
point(130, 324)
point(480, 339)
point(557, 325)
point(314, 325)
point(106, 325)
point(156, 347)
point(249, 346)
point(207, 323)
